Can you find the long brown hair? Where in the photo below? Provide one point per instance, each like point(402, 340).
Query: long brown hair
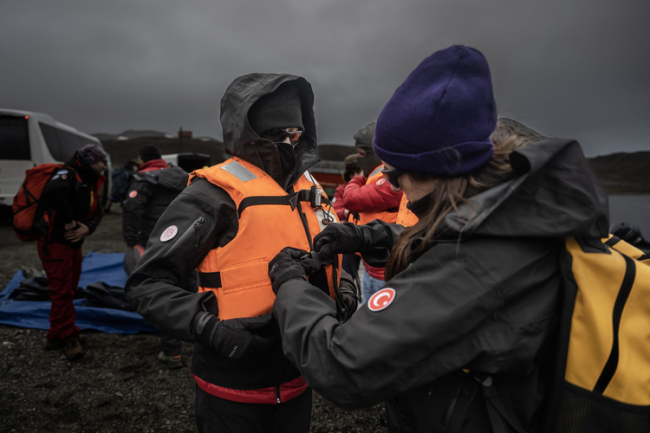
point(451, 192)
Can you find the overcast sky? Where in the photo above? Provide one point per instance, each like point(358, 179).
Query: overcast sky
point(569, 68)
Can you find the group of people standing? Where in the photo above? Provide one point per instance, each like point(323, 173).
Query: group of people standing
point(457, 215)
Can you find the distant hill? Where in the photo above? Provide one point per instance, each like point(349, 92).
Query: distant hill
point(123, 150)
point(132, 133)
point(334, 152)
point(129, 142)
point(623, 172)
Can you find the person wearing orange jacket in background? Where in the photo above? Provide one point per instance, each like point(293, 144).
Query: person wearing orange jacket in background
point(372, 198)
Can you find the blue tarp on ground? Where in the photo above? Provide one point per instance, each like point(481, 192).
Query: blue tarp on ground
point(106, 268)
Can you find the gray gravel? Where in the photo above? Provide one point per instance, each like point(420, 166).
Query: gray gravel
point(119, 386)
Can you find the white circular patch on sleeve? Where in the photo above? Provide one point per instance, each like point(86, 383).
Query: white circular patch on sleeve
point(381, 300)
point(133, 193)
point(169, 234)
point(381, 181)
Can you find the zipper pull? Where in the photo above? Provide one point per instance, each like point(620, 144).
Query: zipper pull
point(198, 223)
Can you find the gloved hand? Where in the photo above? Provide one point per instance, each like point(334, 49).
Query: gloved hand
point(233, 337)
point(348, 290)
point(289, 264)
point(345, 238)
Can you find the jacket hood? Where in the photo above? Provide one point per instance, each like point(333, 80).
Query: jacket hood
point(174, 178)
point(241, 140)
point(554, 194)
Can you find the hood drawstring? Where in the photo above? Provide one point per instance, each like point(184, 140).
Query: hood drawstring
point(258, 157)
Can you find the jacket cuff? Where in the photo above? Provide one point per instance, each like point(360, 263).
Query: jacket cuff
point(204, 326)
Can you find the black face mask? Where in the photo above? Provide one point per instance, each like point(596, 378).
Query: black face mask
point(287, 161)
point(369, 162)
point(420, 207)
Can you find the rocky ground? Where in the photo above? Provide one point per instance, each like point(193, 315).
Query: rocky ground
point(119, 386)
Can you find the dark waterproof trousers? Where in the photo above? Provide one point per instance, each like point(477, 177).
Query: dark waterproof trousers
point(62, 265)
point(214, 414)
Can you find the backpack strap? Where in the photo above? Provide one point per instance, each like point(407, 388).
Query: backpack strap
point(501, 415)
point(625, 248)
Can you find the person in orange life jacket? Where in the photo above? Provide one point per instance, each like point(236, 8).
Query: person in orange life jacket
point(149, 192)
point(71, 212)
point(462, 337)
point(372, 198)
point(228, 223)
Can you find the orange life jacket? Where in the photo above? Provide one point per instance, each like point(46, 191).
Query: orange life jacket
point(405, 217)
point(269, 220)
point(386, 216)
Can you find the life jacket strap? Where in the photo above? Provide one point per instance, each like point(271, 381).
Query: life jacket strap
point(210, 280)
point(284, 200)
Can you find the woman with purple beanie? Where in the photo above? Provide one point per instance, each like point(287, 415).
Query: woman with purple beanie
point(461, 337)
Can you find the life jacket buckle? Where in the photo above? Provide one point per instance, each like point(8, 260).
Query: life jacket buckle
point(316, 196)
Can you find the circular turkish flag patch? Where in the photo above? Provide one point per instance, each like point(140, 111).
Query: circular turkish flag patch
point(169, 233)
point(132, 194)
point(381, 181)
point(382, 299)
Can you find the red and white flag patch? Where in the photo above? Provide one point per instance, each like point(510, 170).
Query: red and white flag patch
point(169, 234)
point(382, 299)
point(133, 193)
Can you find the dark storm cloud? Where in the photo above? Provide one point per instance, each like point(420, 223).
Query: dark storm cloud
point(570, 68)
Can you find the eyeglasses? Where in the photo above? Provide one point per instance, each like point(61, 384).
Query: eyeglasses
point(278, 135)
point(392, 174)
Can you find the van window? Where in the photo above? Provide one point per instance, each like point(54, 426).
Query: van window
point(62, 144)
point(14, 138)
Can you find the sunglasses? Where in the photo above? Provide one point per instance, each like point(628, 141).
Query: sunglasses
point(392, 174)
point(279, 135)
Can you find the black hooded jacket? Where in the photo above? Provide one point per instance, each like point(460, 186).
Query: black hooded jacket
point(487, 304)
point(149, 194)
point(206, 218)
point(65, 198)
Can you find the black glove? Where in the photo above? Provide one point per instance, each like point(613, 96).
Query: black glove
point(233, 337)
point(290, 264)
point(345, 238)
point(348, 290)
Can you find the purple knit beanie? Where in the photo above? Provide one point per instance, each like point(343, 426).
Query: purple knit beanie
point(440, 119)
point(90, 154)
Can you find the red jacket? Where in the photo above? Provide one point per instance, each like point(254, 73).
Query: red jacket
point(374, 197)
point(337, 202)
point(154, 164)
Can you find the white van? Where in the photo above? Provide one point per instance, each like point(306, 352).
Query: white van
point(28, 139)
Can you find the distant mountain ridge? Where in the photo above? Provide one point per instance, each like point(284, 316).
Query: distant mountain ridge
point(623, 172)
point(123, 150)
point(132, 133)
